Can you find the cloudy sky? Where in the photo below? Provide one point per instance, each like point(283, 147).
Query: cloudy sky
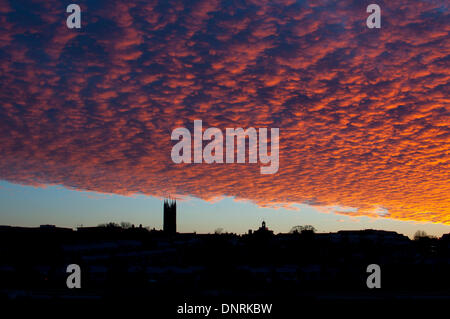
point(363, 113)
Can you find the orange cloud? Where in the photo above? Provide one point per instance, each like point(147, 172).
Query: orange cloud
point(363, 114)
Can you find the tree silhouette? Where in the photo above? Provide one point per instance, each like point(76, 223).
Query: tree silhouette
point(125, 225)
point(302, 229)
point(420, 234)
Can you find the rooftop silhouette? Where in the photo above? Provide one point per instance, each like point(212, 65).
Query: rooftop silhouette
point(124, 261)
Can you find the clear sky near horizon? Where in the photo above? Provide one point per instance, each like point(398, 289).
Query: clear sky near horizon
point(32, 206)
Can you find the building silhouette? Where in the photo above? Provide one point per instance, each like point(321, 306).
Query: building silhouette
point(170, 216)
point(263, 230)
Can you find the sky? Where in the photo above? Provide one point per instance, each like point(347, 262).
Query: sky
point(363, 113)
point(32, 206)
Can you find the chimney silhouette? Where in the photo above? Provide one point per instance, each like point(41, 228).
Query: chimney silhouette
point(170, 216)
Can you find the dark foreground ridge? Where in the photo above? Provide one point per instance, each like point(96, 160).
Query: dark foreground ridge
point(170, 269)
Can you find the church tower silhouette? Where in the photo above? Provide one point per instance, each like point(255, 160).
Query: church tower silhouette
point(170, 216)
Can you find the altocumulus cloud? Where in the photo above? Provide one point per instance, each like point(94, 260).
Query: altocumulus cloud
point(363, 113)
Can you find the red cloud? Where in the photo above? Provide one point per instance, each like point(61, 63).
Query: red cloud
point(363, 113)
